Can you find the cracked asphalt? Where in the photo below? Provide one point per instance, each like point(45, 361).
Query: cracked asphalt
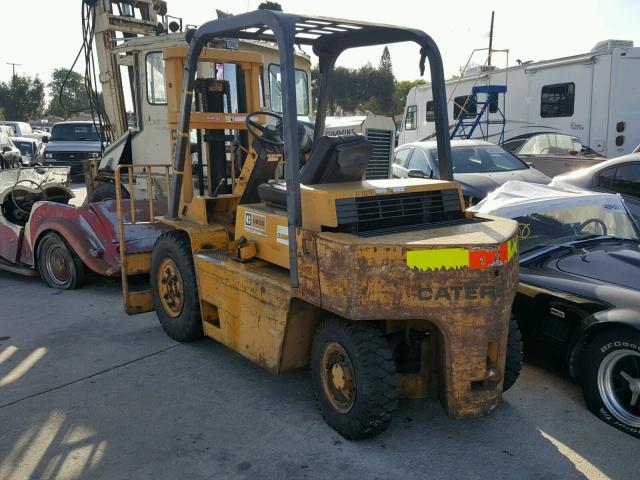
point(88, 392)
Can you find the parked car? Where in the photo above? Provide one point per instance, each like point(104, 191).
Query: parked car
point(478, 165)
point(31, 150)
point(553, 153)
point(618, 175)
point(72, 143)
point(578, 301)
point(9, 154)
point(21, 129)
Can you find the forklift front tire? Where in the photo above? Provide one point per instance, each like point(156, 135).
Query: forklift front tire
point(174, 288)
point(354, 377)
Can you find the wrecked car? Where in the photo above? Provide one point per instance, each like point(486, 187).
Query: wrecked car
point(578, 300)
point(41, 233)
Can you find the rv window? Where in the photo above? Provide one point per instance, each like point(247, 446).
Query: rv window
point(431, 116)
point(275, 90)
point(464, 103)
point(493, 102)
point(156, 94)
point(557, 100)
point(410, 118)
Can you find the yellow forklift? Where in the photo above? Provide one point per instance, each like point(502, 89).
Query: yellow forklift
point(387, 288)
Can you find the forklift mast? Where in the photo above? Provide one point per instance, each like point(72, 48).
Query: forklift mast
point(117, 20)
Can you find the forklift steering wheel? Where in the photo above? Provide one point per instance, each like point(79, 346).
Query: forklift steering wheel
point(268, 134)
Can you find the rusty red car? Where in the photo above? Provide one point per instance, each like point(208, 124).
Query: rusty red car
point(41, 233)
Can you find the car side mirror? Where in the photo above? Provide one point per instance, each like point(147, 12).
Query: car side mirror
point(6, 149)
point(45, 140)
point(416, 174)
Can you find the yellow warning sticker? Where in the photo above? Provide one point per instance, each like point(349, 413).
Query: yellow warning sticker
point(436, 259)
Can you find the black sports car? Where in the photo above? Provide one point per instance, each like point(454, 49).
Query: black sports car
point(578, 303)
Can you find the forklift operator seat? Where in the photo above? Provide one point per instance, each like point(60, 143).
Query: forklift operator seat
point(333, 160)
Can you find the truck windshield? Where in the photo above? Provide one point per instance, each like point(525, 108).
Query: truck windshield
point(275, 90)
point(75, 133)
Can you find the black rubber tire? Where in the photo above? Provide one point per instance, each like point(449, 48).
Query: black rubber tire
point(598, 349)
point(105, 192)
point(76, 269)
point(375, 378)
point(513, 364)
point(188, 325)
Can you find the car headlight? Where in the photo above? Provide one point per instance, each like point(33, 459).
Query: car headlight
point(48, 155)
point(94, 154)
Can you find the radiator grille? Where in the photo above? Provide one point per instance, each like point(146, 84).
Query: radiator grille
point(382, 142)
point(72, 159)
point(398, 212)
point(71, 156)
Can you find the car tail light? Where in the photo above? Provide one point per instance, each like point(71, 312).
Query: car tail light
point(619, 140)
point(620, 127)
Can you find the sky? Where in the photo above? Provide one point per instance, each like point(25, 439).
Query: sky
point(45, 34)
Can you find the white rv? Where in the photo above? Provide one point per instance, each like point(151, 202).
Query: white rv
point(594, 97)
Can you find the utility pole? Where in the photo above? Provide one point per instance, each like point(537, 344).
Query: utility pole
point(14, 65)
point(490, 38)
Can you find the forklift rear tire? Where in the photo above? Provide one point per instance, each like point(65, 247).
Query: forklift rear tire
point(354, 377)
point(514, 355)
point(105, 192)
point(58, 264)
point(174, 288)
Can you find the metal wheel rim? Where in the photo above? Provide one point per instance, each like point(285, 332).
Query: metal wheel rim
point(338, 377)
point(58, 263)
point(170, 287)
point(617, 392)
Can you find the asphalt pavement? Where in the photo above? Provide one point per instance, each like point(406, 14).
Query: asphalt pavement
point(87, 392)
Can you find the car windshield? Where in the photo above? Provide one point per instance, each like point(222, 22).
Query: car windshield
point(483, 159)
point(75, 132)
point(554, 144)
point(562, 225)
point(25, 147)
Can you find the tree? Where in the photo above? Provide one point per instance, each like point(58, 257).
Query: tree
point(385, 61)
point(401, 91)
point(74, 93)
point(376, 87)
point(22, 98)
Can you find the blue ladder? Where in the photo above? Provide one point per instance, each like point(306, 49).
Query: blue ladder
point(474, 110)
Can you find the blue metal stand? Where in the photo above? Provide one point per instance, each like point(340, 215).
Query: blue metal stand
point(477, 113)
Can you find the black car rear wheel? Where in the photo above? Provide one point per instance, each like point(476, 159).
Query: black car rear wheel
point(611, 378)
point(513, 364)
